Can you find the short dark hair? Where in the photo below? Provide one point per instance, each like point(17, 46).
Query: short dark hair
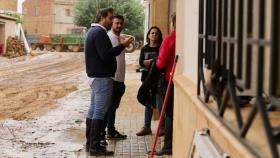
point(117, 16)
point(103, 13)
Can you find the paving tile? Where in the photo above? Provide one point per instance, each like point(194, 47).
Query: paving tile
point(129, 120)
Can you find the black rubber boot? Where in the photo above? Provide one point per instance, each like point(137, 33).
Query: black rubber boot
point(103, 141)
point(95, 148)
point(88, 124)
point(168, 133)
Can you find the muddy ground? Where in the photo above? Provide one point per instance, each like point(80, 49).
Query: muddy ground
point(43, 102)
point(29, 85)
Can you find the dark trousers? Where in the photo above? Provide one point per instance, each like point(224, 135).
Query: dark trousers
point(169, 120)
point(118, 91)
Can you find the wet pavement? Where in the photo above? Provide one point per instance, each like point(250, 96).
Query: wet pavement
point(130, 118)
point(61, 131)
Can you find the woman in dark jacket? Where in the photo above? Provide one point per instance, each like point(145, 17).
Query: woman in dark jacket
point(148, 53)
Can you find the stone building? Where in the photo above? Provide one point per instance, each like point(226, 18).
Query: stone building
point(7, 24)
point(48, 16)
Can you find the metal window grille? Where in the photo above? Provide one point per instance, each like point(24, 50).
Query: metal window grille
point(227, 42)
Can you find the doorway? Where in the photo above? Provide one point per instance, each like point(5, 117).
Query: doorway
point(2, 36)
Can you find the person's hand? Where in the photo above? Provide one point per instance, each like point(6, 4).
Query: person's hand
point(125, 41)
point(147, 63)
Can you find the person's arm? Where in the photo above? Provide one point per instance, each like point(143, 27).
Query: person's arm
point(104, 46)
point(141, 58)
point(164, 53)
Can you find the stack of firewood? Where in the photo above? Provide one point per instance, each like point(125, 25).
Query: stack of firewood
point(15, 47)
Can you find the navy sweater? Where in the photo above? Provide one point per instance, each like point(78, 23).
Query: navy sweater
point(100, 56)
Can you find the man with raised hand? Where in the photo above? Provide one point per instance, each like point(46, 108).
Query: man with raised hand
point(100, 58)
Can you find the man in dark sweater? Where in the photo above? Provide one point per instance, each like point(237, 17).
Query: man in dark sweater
point(100, 59)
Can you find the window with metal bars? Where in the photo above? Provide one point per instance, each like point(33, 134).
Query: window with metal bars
point(238, 45)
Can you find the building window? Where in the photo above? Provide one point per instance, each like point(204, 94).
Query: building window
point(68, 12)
point(36, 11)
point(24, 11)
point(234, 46)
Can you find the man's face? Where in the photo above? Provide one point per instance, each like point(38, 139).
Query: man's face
point(108, 20)
point(117, 25)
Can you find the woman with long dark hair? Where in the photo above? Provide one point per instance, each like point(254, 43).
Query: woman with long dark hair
point(148, 53)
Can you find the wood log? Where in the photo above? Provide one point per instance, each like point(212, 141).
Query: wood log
point(15, 47)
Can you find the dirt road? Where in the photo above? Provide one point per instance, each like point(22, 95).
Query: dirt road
point(29, 85)
point(43, 103)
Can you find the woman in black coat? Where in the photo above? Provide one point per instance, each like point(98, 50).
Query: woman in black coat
point(148, 53)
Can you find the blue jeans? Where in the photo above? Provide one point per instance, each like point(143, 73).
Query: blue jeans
point(149, 112)
point(148, 116)
point(101, 95)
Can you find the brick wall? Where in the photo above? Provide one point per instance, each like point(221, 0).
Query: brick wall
point(9, 5)
point(48, 16)
point(38, 16)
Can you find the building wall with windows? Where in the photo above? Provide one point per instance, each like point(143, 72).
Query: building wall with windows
point(8, 5)
point(38, 17)
point(64, 16)
point(48, 16)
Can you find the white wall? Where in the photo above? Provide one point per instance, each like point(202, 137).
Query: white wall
point(187, 37)
point(147, 18)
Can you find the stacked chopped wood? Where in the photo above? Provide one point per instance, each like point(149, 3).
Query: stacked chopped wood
point(15, 47)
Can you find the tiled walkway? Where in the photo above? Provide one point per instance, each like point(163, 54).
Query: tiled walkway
point(130, 118)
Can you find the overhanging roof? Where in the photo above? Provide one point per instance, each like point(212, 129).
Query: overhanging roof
point(7, 17)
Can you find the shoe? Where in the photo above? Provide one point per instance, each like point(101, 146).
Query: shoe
point(144, 131)
point(101, 151)
point(161, 132)
point(163, 152)
point(103, 141)
point(116, 135)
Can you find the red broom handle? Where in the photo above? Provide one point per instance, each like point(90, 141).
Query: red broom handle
point(164, 106)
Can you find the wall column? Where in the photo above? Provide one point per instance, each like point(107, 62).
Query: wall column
point(159, 15)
